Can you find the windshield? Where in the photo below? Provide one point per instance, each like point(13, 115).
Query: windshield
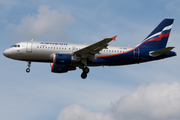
point(15, 46)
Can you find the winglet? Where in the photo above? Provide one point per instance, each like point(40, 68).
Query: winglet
point(114, 38)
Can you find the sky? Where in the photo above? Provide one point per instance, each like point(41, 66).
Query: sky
point(145, 91)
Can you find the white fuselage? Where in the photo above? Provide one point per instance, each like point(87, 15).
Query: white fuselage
point(44, 51)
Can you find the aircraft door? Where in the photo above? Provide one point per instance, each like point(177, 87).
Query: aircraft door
point(29, 47)
point(136, 53)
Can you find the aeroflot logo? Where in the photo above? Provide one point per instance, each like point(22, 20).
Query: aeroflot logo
point(53, 43)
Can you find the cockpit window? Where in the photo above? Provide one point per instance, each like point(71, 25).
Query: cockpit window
point(15, 46)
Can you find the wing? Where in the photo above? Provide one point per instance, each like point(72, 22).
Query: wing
point(90, 51)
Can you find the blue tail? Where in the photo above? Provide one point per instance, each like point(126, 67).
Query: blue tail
point(159, 36)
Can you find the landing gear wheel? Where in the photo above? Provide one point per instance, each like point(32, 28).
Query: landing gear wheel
point(83, 75)
point(29, 65)
point(86, 70)
point(27, 70)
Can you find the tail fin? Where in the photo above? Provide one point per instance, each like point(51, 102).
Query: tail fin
point(159, 36)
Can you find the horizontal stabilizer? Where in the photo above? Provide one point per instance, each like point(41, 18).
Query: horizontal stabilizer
point(161, 51)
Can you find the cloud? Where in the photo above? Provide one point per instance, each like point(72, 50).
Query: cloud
point(159, 101)
point(48, 23)
point(77, 112)
point(156, 101)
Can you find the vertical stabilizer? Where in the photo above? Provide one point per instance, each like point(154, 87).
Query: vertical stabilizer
point(159, 36)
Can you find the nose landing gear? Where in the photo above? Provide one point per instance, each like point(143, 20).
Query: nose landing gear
point(29, 65)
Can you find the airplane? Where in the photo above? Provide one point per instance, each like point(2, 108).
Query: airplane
point(64, 57)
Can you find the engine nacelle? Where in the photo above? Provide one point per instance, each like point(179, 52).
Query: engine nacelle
point(63, 59)
point(61, 68)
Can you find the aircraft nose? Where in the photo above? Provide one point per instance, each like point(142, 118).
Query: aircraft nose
point(7, 53)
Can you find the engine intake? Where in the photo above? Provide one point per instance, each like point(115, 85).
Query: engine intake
point(61, 68)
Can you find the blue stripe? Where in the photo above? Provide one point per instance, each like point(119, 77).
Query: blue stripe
point(166, 31)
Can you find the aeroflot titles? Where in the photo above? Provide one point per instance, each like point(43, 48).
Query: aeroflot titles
point(62, 44)
point(53, 43)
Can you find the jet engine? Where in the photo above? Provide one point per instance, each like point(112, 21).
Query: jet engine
point(64, 59)
point(61, 68)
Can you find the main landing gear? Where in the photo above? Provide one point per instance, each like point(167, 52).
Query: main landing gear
point(85, 72)
point(29, 65)
point(84, 68)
